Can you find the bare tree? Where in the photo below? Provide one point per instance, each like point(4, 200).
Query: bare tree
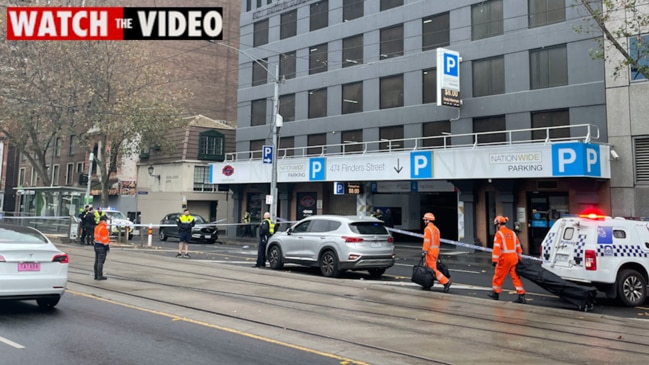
point(619, 21)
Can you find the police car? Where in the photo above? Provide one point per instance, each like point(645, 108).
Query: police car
point(611, 254)
point(119, 222)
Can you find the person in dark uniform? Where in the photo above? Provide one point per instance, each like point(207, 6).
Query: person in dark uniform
point(82, 225)
point(266, 229)
point(185, 224)
point(89, 224)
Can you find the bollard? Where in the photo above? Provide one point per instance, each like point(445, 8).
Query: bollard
point(150, 235)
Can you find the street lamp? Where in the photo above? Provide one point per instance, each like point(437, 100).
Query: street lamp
point(277, 122)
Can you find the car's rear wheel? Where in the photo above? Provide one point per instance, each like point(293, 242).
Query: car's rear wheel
point(47, 303)
point(329, 265)
point(631, 288)
point(376, 273)
point(275, 257)
point(163, 236)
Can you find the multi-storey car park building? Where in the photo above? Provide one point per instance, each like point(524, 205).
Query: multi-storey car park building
point(357, 94)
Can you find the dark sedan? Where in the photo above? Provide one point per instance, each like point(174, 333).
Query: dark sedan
point(202, 232)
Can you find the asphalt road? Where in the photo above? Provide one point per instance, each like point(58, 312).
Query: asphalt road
point(471, 272)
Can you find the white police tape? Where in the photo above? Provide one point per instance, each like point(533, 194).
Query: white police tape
point(456, 243)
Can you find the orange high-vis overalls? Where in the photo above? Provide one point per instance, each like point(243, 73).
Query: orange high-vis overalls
point(507, 250)
point(431, 246)
point(101, 233)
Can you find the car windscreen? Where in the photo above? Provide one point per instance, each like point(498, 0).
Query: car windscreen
point(368, 228)
point(115, 214)
point(8, 235)
point(199, 220)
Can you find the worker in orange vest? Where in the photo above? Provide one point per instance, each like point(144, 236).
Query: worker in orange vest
point(430, 249)
point(506, 252)
point(102, 241)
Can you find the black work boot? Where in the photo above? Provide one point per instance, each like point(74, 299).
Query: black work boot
point(521, 299)
point(493, 295)
point(447, 286)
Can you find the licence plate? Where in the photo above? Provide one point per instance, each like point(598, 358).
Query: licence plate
point(562, 258)
point(208, 236)
point(29, 266)
point(375, 244)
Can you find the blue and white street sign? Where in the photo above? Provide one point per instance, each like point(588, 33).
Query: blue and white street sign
point(576, 159)
point(339, 188)
point(267, 154)
point(448, 77)
point(317, 169)
point(421, 165)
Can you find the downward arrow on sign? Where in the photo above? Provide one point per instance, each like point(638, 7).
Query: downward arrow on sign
point(398, 168)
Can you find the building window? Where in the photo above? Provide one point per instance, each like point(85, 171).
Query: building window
point(352, 98)
point(202, 179)
point(69, 174)
point(641, 153)
point(34, 176)
point(549, 119)
point(429, 79)
point(389, 4)
point(548, 67)
point(487, 19)
point(435, 129)
point(248, 5)
point(287, 65)
point(353, 50)
point(317, 144)
point(352, 140)
point(544, 12)
point(74, 141)
point(211, 146)
point(489, 76)
point(318, 103)
point(482, 127)
point(391, 92)
point(80, 167)
point(639, 50)
point(258, 112)
point(286, 147)
point(21, 177)
point(287, 107)
point(260, 36)
point(255, 148)
point(288, 25)
point(388, 135)
point(57, 147)
point(56, 175)
point(318, 59)
point(435, 31)
point(319, 15)
point(352, 9)
point(259, 73)
point(392, 42)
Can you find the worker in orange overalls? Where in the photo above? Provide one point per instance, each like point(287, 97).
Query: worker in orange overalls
point(102, 241)
point(507, 250)
point(430, 249)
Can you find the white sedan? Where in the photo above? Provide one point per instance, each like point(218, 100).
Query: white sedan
point(31, 267)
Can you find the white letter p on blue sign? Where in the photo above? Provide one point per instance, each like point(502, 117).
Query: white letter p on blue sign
point(451, 64)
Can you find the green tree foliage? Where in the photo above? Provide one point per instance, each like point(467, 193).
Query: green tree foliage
point(621, 22)
point(113, 95)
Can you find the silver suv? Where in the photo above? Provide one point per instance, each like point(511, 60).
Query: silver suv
point(334, 244)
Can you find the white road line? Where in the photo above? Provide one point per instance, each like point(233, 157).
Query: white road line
point(11, 343)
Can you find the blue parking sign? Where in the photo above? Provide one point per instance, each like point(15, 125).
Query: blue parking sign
point(267, 154)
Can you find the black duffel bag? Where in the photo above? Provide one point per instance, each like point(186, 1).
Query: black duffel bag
point(423, 275)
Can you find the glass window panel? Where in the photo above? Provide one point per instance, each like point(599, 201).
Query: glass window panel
point(352, 50)
point(429, 79)
point(318, 59)
point(490, 124)
point(287, 65)
point(389, 4)
point(548, 67)
point(352, 9)
point(287, 107)
point(316, 143)
point(434, 129)
point(286, 146)
point(487, 19)
point(352, 140)
point(639, 50)
point(318, 103)
point(489, 76)
point(352, 98)
point(544, 12)
point(258, 112)
point(288, 24)
point(319, 15)
point(256, 146)
point(392, 42)
point(435, 31)
point(555, 118)
point(259, 73)
point(391, 89)
point(260, 36)
point(387, 136)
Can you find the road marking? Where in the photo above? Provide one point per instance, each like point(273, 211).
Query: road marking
point(174, 317)
point(11, 343)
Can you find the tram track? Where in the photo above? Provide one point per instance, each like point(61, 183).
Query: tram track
point(379, 304)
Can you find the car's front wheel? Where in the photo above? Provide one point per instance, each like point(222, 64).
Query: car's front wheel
point(47, 303)
point(376, 273)
point(275, 257)
point(631, 288)
point(163, 236)
point(329, 264)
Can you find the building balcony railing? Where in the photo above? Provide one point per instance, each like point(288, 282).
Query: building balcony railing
point(569, 133)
